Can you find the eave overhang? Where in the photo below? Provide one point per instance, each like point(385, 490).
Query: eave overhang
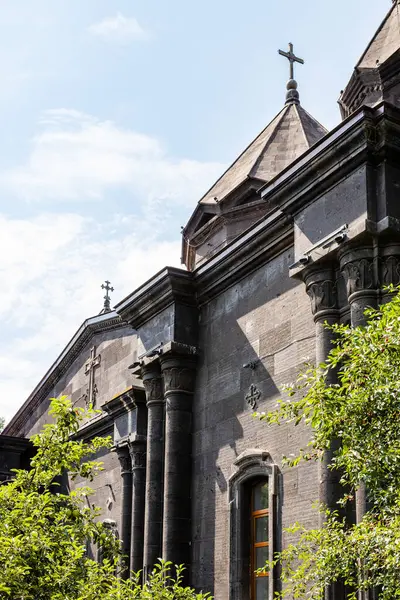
point(169, 286)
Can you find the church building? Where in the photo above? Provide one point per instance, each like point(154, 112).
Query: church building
point(302, 229)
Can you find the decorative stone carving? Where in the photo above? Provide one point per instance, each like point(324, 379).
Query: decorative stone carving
point(176, 378)
point(253, 396)
point(323, 295)
point(124, 459)
point(359, 275)
point(153, 388)
point(391, 270)
point(138, 457)
point(90, 366)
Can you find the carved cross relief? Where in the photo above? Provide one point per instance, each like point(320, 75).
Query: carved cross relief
point(253, 396)
point(90, 366)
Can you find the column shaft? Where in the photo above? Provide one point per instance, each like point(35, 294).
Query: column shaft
point(154, 467)
point(178, 375)
point(138, 458)
point(126, 507)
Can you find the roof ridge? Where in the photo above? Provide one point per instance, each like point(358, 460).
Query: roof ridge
point(301, 114)
point(377, 32)
point(270, 139)
point(241, 154)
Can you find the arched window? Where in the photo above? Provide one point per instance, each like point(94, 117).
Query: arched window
point(253, 525)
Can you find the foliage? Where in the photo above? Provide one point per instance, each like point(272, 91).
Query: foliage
point(2, 422)
point(44, 533)
point(362, 411)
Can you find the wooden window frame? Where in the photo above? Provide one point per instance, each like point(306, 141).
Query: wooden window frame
point(254, 515)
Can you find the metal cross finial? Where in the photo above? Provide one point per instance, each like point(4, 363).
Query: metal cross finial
point(292, 59)
point(107, 305)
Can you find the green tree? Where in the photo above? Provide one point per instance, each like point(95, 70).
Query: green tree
point(362, 411)
point(44, 533)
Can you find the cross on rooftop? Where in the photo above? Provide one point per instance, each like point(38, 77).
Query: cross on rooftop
point(292, 58)
point(107, 305)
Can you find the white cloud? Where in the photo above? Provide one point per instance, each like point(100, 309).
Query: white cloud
point(78, 157)
point(119, 29)
point(53, 267)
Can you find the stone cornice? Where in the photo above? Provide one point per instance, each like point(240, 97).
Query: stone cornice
point(168, 287)
point(335, 156)
point(268, 238)
point(108, 322)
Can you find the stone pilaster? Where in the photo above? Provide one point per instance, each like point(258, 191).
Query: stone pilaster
point(178, 371)
point(137, 450)
point(151, 376)
point(126, 506)
point(321, 287)
point(359, 267)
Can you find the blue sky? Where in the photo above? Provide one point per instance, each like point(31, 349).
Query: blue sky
point(115, 117)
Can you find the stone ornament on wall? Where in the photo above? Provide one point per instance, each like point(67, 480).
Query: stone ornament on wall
point(180, 379)
point(253, 396)
point(323, 295)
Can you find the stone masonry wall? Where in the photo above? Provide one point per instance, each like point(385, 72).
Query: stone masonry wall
point(112, 377)
point(266, 315)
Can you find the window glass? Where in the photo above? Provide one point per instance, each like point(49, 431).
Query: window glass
point(260, 496)
point(261, 529)
point(262, 585)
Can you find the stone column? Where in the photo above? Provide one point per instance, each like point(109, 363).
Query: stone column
point(126, 506)
point(137, 449)
point(322, 288)
point(151, 376)
point(179, 377)
point(360, 271)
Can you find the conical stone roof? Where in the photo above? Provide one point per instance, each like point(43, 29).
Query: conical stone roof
point(288, 136)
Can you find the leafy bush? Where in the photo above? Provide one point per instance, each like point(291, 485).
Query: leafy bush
point(44, 533)
point(362, 411)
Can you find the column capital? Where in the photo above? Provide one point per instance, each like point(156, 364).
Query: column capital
point(178, 371)
point(124, 458)
point(152, 381)
point(321, 287)
point(358, 267)
point(137, 451)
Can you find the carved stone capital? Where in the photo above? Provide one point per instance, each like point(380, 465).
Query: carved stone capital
point(321, 286)
point(152, 381)
point(124, 459)
point(358, 270)
point(137, 451)
point(178, 374)
point(390, 265)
